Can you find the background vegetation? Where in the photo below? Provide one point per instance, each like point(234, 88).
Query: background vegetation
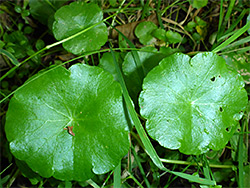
point(185, 26)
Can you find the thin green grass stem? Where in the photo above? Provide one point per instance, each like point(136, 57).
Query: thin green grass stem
point(140, 167)
point(5, 169)
point(194, 164)
point(226, 18)
point(135, 180)
point(220, 18)
point(232, 38)
point(240, 160)
point(206, 168)
point(104, 183)
point(237, 43)
point(92, 183)
point(158, 13)
point(119, 10)
point(169, 182)
point(235, 23)
point(145, 9)
point(238, 50)
point(117, 176)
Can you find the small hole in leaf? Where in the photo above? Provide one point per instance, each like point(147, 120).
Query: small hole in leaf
point(221, 109)
point(219, 76)
point(228, 129)
point(212, 79)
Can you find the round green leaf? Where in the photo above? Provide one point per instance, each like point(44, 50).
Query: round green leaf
point(159, 34)
point(192, 104)
point(198, 3)
point(84, 97)
point(76, 17)
point(143, 32)
point(173, 37)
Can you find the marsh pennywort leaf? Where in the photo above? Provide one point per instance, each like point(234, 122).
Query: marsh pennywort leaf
point(173, 37)
point(159, 34)
point(198, 3)
point(192, 104)
point(144, 32)
point(76, 17)
point(84, 97)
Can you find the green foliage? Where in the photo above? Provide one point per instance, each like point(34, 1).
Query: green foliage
point(106, 62)
point(239, 63)
point(198, 3)
point(76, 17)
point(85, 101)
point(195, 104)
point(17, 44)
point(173, 37)
point(143, 32)
point(44, 10)
point(75, 122)
point(160, 34)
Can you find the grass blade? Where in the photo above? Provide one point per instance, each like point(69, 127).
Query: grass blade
point(229, 11)
point(221, 16)
point(232, 38)
point(240, 160)
point(117, 176)
point(135, 180)
point(235, 23)
point(10, 56)
point(237, 43)
point(92, 183)
point(140, 167)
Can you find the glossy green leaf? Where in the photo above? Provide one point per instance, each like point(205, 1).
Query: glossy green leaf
point(134, 74)
point(192, 104)
point(76, 17)
point(159, 34)
point(173, 37)
point(144, 32)
point(84, 97)
point(198, 3)
point(42, 10)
